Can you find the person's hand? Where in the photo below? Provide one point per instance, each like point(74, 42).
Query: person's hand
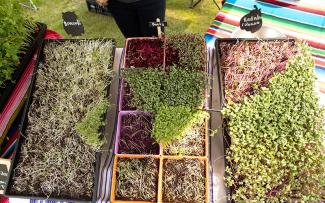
point(102, 2)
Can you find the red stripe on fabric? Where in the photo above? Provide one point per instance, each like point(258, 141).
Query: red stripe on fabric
point(11, 140)
point(217, 33)
point(296, 7)
point(223, 18)
point(4, 199)
point(310, 42)
point(320, 63)
point(50, 34)
point(15, 98)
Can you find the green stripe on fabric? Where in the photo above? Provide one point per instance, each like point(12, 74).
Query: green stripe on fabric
point(295, 26)
point(314, 50)
point(224, 25)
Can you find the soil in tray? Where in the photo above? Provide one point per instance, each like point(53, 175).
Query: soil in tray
point(193, 143)
point(127, 97)
point(184, 181)
point(135, 135)
point(137, 179)
point(247, 66)
point(143, 52)
point(55, 159)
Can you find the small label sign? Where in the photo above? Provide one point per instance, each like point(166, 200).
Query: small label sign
point(253, 21)
point(4, 173)
point(72, 25)
point(157, 24)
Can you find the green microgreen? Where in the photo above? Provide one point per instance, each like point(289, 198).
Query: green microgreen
point(276, 151)
point(171, 123)
point(192, 144)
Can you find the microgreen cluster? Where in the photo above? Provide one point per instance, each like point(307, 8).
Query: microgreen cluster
point(88, 127)
point(15, 34)
point(184, 88)
point(172, 122)
point(56, 160)
point(192, 144)
point(248, 65)
point(184, 181)
point(151, 88)
point(137, 179)
point(145, 53)
point(277, 150)
point(186, 50)
point(145, 85)
point(135, 135)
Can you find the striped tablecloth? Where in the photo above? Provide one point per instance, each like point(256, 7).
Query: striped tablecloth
point(304, 19)
point(9, 118)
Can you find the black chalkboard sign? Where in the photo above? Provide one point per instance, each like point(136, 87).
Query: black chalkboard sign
point(4, 170)
point(253, 21)
point(71, 24)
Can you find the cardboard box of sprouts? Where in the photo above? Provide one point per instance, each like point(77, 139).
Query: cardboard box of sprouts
point(273, 124)
point(161, 143)
point(57, 155)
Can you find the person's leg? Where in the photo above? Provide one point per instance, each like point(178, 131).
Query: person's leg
point(149, 11)
point(126, 18)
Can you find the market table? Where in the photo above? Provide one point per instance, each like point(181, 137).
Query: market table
point(282, 16)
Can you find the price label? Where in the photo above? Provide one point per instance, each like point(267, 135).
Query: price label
point(252, 22)
point(4, 173)
point(71, 24)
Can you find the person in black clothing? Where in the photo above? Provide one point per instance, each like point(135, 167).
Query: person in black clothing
point(133, 16)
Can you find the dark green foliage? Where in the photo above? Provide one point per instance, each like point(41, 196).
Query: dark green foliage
point(89, 127)
point(277, 150)
point(151, 88)
point(171, 122)
point(183, 87)
point(15, 32)
point(145, 87)
point(187, 51)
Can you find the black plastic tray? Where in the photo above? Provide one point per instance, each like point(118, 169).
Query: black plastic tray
point(220, 92)
point(30, 51)
point(93, 6)
point(24, 124)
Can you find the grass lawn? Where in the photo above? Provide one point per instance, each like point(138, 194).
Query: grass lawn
point(180, 18)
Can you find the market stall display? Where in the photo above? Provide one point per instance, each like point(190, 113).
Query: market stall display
point(273, 123)
point(162, 124)
point(63, 122)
